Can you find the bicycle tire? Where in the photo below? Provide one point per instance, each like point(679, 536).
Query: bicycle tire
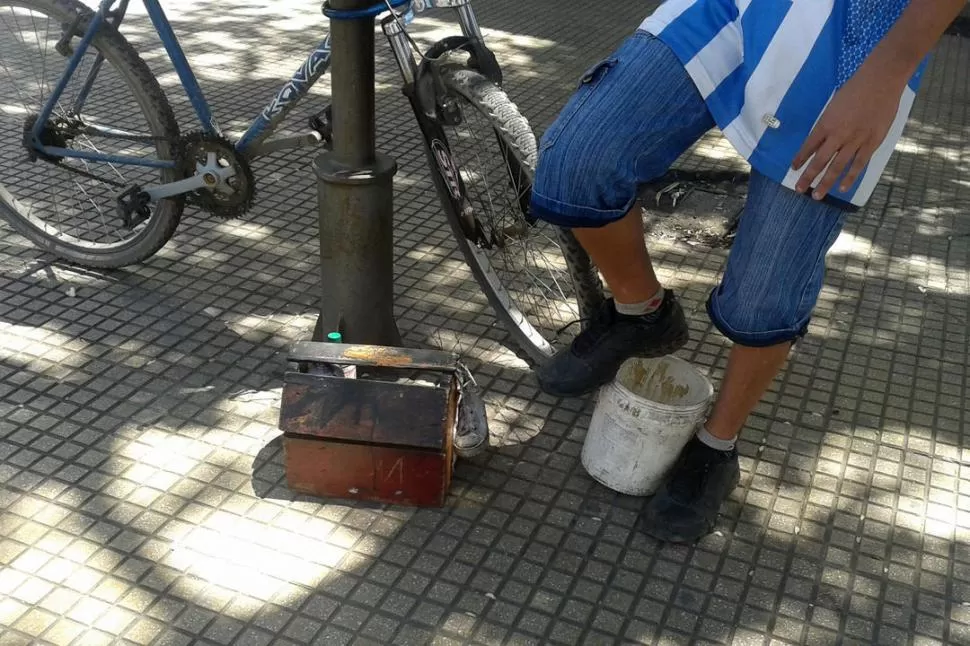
point(154, 107)
point(514, 130)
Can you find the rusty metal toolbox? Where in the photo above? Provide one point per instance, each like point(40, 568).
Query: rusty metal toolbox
point(380, 439)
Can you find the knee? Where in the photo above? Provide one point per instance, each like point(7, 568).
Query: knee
point(759, 315)
point(570, 158)
point(561, 163)
point(575, 185)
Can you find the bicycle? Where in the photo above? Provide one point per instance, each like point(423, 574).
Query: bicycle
point(138, 170)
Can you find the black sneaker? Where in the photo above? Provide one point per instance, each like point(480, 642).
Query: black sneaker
point(686, 506)
point(597, 353)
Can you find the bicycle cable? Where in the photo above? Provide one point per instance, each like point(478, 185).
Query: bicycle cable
point(399, 19)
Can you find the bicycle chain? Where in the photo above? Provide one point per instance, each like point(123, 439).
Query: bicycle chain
point(188, 146)
point(73, 132)
point(90, 175)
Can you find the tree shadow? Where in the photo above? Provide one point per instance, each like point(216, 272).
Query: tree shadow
point(138, 420)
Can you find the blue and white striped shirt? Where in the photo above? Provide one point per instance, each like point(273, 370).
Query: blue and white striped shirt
point(768, 68)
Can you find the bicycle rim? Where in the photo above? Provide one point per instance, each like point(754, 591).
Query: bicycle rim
point(69, 206)
point(528, 270)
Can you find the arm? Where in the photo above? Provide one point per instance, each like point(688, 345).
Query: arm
point(862, 111)
point(914, 35)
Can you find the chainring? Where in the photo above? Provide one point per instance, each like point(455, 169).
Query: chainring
point(194, 148)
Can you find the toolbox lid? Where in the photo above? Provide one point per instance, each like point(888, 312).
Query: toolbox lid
point(369, 412)
point(373, 355)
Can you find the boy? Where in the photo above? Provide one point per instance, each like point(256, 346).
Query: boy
point(815, 94)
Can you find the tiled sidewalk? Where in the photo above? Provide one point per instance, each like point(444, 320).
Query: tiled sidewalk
point(141, 489)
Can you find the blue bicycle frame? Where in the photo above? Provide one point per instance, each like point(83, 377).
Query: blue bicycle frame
point(266, 122)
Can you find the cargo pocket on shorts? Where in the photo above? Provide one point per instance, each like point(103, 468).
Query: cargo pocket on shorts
point(585, 88)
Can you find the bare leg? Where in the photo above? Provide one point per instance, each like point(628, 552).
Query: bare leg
point(620, 253)
point(686, 507)
point(646, 321)
point(749, 373)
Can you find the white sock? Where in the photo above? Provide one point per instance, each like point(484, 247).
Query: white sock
point(643, 307)
point(715, 442)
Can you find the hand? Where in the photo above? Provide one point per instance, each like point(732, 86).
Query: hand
point(850, 130)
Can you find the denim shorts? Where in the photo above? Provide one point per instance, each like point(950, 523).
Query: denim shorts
point(634, 114)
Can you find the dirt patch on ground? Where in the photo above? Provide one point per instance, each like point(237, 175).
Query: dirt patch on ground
point(696, 208)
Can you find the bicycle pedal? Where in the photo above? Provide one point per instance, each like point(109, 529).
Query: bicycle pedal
point(322, 122)
point(132, 206)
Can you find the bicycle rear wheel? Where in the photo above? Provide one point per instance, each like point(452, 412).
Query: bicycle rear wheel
point(536, 276)
point(68, 206)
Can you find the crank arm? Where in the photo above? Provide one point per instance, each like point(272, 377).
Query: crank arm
point(189, 184)
point(284, 143)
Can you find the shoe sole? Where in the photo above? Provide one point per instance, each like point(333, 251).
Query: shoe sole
point(664, 533)
point(471, 451)
point(653, 352)
point(666, 536)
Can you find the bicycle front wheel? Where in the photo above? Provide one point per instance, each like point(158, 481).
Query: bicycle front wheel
point(68, 206)
point(536, 276)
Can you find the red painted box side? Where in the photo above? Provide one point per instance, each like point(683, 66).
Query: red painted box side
point(379, 473)
point(367, 440)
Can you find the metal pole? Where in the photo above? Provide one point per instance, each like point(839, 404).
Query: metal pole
point(355, 197)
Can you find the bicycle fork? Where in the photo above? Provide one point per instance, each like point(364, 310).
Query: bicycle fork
point(425, 92)
point(433, 109)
